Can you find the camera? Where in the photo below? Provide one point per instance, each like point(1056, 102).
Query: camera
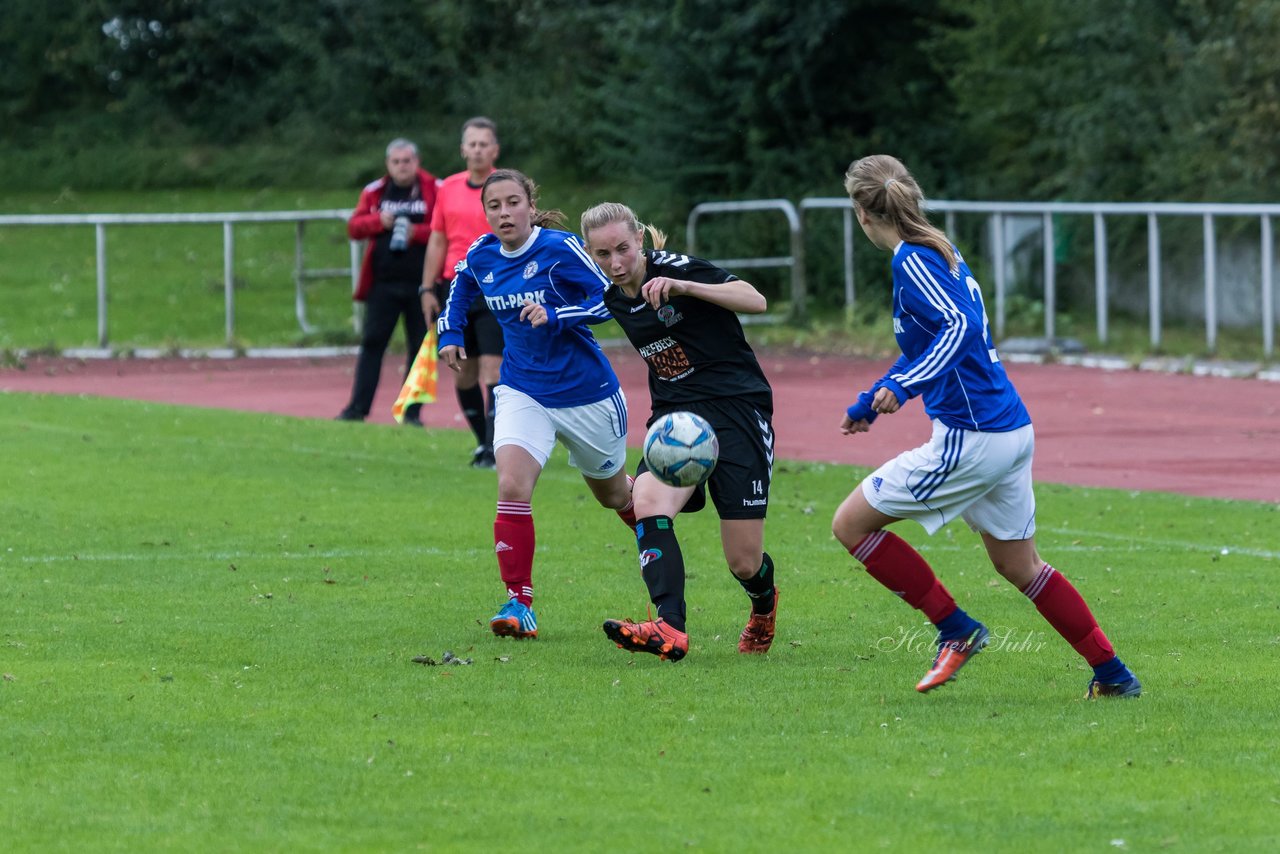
point(400, 234)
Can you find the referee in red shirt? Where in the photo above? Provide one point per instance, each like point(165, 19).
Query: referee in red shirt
point(457, 220)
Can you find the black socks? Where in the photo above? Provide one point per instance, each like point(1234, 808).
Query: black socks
point(760, 587)
point(471, 400)
point(662, 566)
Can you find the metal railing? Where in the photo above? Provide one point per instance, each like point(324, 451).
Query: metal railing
point(794, 217)
point(100, 222)
point(795, 261)
point(997, 211)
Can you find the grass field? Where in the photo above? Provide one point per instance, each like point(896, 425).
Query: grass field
point(210, 618)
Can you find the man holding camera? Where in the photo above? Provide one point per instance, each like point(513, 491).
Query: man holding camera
point(393, 216)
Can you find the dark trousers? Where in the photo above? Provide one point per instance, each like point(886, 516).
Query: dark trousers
point(382, 310)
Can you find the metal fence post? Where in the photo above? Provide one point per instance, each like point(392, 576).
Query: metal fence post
point(1050, 283)
point(1153, 277)
point(228, 279)
point(799, 291)
point(1100, 274)
point(997, 249)
point(1210, 286)
point(1268, 294)
point(299, 269)
point(355, 283)
point(100, 256)
point(849, 293)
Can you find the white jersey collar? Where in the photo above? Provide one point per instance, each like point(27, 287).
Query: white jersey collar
point(516, 253)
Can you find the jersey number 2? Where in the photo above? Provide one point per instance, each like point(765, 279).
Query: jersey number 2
point(976, 293)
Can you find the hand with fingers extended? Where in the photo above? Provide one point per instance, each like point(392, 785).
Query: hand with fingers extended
point(453, 356)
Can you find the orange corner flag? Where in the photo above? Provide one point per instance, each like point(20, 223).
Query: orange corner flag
point(420, 385)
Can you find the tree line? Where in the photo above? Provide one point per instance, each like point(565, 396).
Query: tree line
point(1054, 99)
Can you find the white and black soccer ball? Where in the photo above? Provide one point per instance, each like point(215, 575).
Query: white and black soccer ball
point(681, 449)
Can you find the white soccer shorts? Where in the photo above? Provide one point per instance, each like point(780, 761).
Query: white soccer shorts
point(985, 478)
point(595, 434)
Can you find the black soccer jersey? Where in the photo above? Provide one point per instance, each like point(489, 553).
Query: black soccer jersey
point(695, 350)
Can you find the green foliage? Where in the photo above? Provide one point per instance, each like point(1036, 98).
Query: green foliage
point(1138, 99)
point(210, 620)
point(50, 52)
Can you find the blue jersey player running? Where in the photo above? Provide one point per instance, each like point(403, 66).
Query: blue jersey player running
point(978, 463)
point(555, 382)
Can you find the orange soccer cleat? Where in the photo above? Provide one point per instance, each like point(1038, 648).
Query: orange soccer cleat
point(952, 655)
point(653, 636)
point(757, 637)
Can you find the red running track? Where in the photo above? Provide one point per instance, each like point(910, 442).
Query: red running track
point(1126, 429)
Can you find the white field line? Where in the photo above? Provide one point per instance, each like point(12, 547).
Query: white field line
point(193, 441)
point(481, 553)
point(311, 554)
point(1134, 543)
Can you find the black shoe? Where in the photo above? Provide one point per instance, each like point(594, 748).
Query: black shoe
point(348, 415)
point(413, 416)
point(483, 458)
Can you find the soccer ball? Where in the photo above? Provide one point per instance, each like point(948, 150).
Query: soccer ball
point(681, 449)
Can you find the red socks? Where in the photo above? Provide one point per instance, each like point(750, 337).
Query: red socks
point(513, 543)
point(1061, 604)
point(628, 514)
point(900, 568)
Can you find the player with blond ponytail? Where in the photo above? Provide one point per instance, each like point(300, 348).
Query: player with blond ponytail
point(977, 465)
point(681, 315)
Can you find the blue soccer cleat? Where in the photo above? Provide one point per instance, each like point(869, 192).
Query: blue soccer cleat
point(1129, 688)
point(514, 620)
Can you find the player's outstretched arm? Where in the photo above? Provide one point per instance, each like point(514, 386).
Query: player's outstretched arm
point(737, 295)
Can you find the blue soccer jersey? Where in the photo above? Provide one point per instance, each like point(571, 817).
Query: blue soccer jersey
point(560, 363)
point(948, 358)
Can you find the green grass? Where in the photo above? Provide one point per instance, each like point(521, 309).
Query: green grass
point(209, 620)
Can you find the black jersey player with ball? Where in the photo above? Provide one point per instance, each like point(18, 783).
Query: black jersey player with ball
point(680, 313)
